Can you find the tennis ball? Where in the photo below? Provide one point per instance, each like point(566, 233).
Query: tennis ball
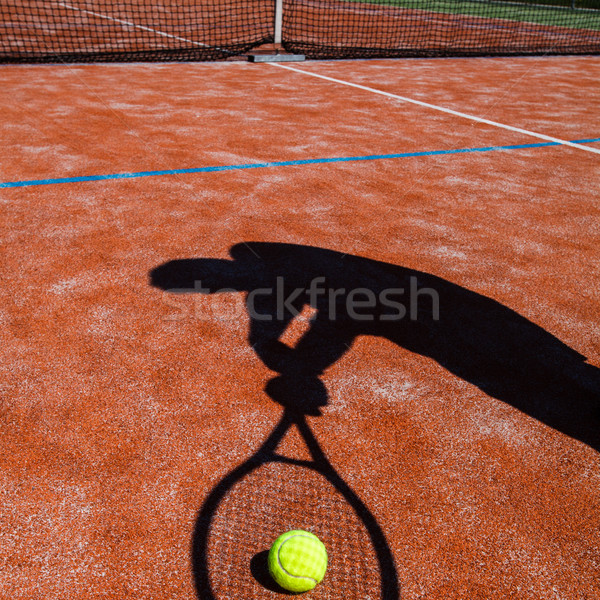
point(298, 561)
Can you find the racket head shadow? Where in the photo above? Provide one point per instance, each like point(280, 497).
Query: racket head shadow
point(270, 494)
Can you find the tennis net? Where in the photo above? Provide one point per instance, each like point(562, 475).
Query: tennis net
point(161, 30)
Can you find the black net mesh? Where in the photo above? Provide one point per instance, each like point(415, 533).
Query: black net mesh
point(111, 30)
point(132, 30)
point(389, 28)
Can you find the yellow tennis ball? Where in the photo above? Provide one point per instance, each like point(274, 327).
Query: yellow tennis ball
point(298, 561)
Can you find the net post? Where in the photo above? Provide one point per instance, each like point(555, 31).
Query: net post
point(278, 20)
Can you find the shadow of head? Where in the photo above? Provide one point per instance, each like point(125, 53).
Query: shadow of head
point(472, 336)
point(205, 275)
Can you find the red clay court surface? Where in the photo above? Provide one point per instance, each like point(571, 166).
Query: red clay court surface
point(474, 447)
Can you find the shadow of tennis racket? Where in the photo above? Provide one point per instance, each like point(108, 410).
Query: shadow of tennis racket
point(271, 493)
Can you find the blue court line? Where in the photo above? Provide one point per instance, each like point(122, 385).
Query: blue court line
point(283, 163)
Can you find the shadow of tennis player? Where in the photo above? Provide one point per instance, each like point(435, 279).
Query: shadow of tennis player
point(473, 337)
point(470, 335)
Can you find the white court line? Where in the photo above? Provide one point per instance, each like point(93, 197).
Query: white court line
point(540, 136)
point(130, 24)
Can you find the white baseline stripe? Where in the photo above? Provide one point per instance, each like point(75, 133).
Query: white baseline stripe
point(540, 136)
